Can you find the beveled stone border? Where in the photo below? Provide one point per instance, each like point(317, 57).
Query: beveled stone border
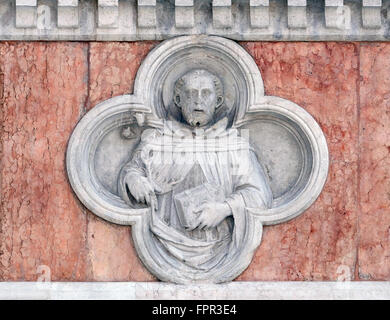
point(278, 107)
point(146, 107)
point(254, 20)
point(237, 290)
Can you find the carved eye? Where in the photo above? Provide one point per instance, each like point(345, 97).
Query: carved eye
point(194, 94)
point(206, 93)
point(187, 93)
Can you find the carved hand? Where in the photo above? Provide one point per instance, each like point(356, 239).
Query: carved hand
point(141, 189)
point(211, 214)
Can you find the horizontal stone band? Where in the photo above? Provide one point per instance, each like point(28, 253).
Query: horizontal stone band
point(108, 20)
point(306, 290)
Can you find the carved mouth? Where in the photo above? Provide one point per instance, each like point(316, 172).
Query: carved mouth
point(199, 110)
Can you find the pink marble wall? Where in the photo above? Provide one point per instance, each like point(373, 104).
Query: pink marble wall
point(374, 166)
point(47, 87)
point(323, 79)
point(42, 223)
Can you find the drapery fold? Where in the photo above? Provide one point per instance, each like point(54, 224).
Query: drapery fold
point(175, 159)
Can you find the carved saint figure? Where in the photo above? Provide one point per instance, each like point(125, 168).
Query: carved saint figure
point(200, 177)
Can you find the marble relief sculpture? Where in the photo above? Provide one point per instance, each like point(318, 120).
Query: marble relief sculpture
point(198, 176)
point(197, 160)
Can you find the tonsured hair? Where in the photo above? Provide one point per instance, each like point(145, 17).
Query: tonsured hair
point(198, 72)
point(175, 109)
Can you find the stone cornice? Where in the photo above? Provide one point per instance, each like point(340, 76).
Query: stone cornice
point(130, 20)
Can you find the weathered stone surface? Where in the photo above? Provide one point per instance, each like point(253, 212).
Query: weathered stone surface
point(216, 265)
point(374, 220)
point(237, 290)
point(42, 223)
point(113, 67)
point(254, 20)
point(321, 243)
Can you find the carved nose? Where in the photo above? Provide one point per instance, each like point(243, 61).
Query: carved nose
point(198, 98)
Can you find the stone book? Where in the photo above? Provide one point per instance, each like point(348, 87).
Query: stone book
point(188, 201)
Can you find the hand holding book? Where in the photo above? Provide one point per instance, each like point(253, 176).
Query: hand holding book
point(201, 207)
point(211, 214)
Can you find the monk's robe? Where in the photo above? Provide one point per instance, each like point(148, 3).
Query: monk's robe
point(176, 158)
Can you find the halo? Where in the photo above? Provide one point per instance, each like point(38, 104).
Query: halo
point(240, 76)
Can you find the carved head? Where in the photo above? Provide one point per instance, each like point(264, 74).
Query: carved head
point(198, 94)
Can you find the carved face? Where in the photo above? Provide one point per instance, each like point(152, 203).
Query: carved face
point(198, 98)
